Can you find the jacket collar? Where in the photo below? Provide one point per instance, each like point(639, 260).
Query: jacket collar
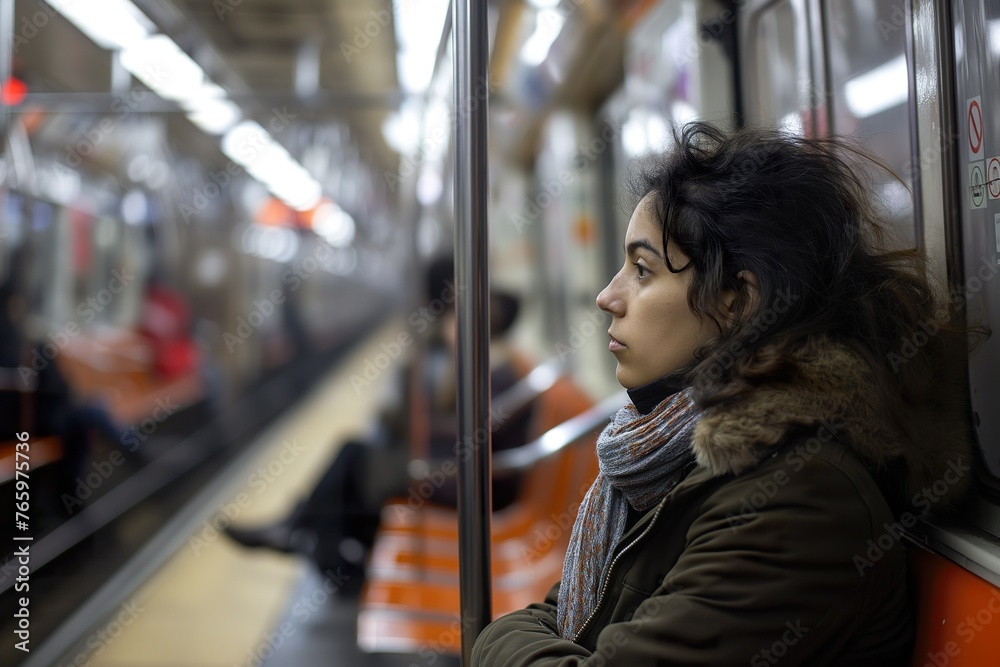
point(648, 396)
point(833, 390)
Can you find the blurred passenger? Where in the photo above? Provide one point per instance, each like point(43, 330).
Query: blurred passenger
point(782, 424)
point(335, 526)
point(37, 398)
point(166, 323)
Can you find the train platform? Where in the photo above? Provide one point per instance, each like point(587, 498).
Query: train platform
point(211, 603)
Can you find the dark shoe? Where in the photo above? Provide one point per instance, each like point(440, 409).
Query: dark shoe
point(277, 536)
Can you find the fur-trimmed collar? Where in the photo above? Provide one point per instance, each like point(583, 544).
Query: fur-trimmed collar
point(834, 387)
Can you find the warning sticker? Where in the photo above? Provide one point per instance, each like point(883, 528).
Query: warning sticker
point(977, 185)
point(974, 126)
point(993, 177)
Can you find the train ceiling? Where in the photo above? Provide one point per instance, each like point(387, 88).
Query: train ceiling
point(333, 60)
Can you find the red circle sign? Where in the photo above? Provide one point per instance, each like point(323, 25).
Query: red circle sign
point(975, 121)
point(993, 177)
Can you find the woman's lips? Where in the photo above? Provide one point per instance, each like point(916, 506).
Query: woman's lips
point(615, 345)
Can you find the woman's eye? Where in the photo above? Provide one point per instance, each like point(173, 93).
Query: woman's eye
point(641, 270)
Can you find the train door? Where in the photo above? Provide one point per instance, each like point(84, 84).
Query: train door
point(779, 81)
point(977, 126)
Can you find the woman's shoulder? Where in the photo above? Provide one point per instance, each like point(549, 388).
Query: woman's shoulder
point(830, 413)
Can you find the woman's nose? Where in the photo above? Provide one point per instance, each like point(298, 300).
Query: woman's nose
point(609, 300)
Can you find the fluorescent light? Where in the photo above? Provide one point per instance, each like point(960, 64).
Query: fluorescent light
point(160, 64)
point(429, 186)
point(249, 145)
point(548, 25)
point(418, 33)
point(646, 130)
point(878, 89)
point(401, 129)
point(334, 225)
point(215, 116)
point(791, 122)
point(111, 24)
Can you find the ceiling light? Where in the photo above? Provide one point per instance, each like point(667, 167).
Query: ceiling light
point(215, 116)
point(548, 25)
point(111, 24)
point(878, 89)
point(160, 64)
point(418, 34)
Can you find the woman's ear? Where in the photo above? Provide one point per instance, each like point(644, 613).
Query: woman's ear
point(751, 296)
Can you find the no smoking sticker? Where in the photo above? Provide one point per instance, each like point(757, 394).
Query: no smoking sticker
point(977, 185)
point(974, 126)
point(993, 177)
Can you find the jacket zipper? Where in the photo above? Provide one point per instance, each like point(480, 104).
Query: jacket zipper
point(607, 577)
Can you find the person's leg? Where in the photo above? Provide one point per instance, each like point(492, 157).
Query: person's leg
point(318, 522)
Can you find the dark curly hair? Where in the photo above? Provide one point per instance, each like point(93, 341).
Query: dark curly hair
point(796, 213)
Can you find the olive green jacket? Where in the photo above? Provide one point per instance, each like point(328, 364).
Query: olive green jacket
point(778, 549)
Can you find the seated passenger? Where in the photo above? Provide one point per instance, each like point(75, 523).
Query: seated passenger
point(782, 425)
point(335, 526)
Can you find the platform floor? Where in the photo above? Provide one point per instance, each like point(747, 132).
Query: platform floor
point(215, 604)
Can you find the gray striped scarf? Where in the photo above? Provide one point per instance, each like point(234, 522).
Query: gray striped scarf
point(642, 457)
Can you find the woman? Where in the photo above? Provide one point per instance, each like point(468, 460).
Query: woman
point(791, 409)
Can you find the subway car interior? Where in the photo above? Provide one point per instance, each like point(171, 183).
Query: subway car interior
point(228, 253)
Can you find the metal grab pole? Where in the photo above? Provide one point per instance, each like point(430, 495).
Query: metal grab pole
point(471, 202)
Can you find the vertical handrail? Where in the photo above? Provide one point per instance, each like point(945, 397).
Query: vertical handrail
point(471, 49)
point(6, 61)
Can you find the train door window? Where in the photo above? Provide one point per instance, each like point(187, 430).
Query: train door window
point(778, 77)
point(976, 102)
point(868, 79)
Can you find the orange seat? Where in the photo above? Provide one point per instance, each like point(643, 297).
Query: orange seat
point(958, 615)
point(117, 368)
point(41, 452)
point(411, 598)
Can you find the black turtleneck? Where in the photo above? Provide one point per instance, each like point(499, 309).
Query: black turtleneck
point(648, 396)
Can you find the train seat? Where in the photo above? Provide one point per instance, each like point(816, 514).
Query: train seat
point(117, 367)
point(958, 614)
point(410, 601)
point(42, 452)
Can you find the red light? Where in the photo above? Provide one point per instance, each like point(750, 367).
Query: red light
point(13, 91)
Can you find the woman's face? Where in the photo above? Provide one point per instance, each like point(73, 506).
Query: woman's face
point(653, 330)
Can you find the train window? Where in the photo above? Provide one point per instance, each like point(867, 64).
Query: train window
point(779, 81)
point(869, 94)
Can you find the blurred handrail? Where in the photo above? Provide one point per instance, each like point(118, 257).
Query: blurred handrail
point(548, 444)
